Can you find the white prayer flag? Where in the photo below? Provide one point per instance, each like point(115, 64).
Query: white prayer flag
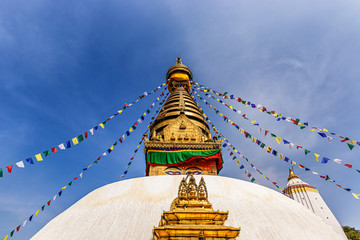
point(91, 131)
point(291, 145)
point(20, 164)
point(54, 197)
point(24, 223)
point(81, 174)
point(315, 173)
point(337, 160)
point(61, 146)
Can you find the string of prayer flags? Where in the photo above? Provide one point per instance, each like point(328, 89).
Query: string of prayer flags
point(278, 139)
point(321, 131)
point(286, 159)
point(59, 194)
point(81, 137)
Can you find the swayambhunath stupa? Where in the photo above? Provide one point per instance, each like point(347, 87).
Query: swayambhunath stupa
point(182, 120)
point(179, 196)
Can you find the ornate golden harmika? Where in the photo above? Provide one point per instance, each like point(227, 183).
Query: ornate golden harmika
point(191, 216)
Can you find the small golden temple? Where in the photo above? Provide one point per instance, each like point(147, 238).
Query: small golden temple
point(192, 216)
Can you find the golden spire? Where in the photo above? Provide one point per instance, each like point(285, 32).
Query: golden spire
point(291, 175)
point(178, 60)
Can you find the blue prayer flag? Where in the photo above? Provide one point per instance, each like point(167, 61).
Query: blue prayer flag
point(325, 160)
point(60, 193)
point(242, 166)
point(127, 133)
point(29, 160)
point(286, 142)
point(322, 134)
point(30, 218)
point(286, 159)
point(68, 144)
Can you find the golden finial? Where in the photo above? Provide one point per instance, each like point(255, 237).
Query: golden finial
point(291, 174)
point(178, 60)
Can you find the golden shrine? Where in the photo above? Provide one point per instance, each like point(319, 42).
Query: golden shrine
point(192, 216)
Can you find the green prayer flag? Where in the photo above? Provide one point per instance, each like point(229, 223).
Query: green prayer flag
point(253, 180)
point(133, 127)
point(302, 127)
point(350, 146)
point(46, 153)
point(249, 136)
point(262, 145)
point(225, 93)
point(306, 152)
point(148, 111)
point(80, 138)
point(12, 233)
point(273, 135)
point(268, 113)
point(115, 143)
point(96, 161)
point(42, 208)
point(234, 157)
point(1, 173)
point(243, 102)
point(298, 120)
point(70, 183)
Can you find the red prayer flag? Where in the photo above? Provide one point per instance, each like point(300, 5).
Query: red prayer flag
point(239, 99)
point(48, 203)
point(348, 165)
point(274, 183)
point(266, 132)
point(9, 168)
point(98, 158)
point(75, 179)
point(344, 140)
point(135, 123)
point(18, 228)
point(126, 105)
point(299, 147)
point(54, 150)
point(338, 185)
point(272, 112)
point(85, 134)
point(249, 175)
point(120, 140)
point(301, 166)
point(323, 176)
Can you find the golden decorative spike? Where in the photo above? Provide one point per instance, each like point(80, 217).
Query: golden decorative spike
point(178, 60)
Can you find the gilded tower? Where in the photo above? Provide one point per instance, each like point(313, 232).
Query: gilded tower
point(180, 141)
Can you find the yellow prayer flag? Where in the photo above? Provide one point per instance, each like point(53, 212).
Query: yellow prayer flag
point(112, 147)
point(254, 121)
point(275, 115)
point(38, 157)
point(238, 162)
point(325, 130)
point(130, 129)
point(205, 90)
point(352, 142)
point(127, 167)
point(144, 114)
point(278, 139)
point(268, 149)
point(280, 156)
point(220, 114)
point(355, 196)
point(253, 139)
point(102, 125)
point(300, 124)
point(75, 141)
point(236, 150)
point(137, 100)
point(311, 129)
point(6, 237)
point(241, 130)
point(231, 107)
point(218, 100)
point(120, 111)
point(64, 187)
point(317, 156)
point(37, 212)
point(89, 166)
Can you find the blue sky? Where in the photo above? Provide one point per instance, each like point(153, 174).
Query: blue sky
point(66, 66)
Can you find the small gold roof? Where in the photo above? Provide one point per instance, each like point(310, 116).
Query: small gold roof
point(178, 67)
point(291, 175)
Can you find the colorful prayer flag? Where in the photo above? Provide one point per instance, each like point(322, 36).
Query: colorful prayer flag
point(38, 157)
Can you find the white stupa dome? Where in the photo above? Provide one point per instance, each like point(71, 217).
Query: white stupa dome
point(130, 209)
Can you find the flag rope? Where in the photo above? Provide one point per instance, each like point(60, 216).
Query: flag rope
point(74, 141)
point(286, 159)
point(278, 139)
point(321, 131)
point(107, 152)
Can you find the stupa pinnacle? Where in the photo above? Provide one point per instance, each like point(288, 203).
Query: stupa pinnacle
point(180, 141)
